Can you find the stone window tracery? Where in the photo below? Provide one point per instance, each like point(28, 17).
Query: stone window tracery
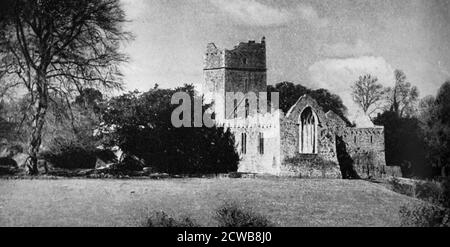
point(308, 131)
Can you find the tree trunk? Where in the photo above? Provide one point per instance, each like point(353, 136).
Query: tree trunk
point(38, 123)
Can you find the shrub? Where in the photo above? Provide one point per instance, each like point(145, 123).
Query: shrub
point(7, 162)
point(445, 198)
point(429, 191)
point(71, 154)
point(405, 189)
point(5, 170)
point(423, 215)
point(232, 215)
point(10, 149)
point(8, 166)
point(161, 219)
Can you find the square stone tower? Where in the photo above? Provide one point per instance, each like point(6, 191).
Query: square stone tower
point(242, 69)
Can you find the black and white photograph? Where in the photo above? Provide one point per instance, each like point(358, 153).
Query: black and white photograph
point(200, 114)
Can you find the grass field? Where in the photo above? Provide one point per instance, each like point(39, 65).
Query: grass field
point(286, 202)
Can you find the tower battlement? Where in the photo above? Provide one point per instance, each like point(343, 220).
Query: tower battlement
point(239, 70)
point(249, 55)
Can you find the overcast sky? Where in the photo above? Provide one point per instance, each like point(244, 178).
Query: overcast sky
point(326, 43)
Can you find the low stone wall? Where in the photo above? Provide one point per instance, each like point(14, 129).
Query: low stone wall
point(372, 165)
point(378, 171)
point(393, 171)
point(310, 166)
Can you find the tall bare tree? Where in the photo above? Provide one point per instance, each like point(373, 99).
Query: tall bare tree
point(368, 93)
point(59, 47)
point(402, 98)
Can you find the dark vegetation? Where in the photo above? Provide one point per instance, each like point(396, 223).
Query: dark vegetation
point(289, 93)
point(143, 128)
point(405, 144)
point(74, 154)
point(418, 138)
point(234, 215)
point(227, 215)
point(435, 209)
point(424, 215)
point(402, 188)
point(161, 219)
point(139, 124)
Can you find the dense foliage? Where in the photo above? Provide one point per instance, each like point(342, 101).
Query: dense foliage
point(420, 143)
point(71, 154)
point(290, 93)
point(404, 144)
point(435, 122)
point(140, 124)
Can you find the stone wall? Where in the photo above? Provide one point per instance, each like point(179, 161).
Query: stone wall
point(214, 90)
point(247, 55)
point(324, 163)
point(253, 160)
point(326, 147)
point(214, 58)
point(245, 81)
point(242, 69)
point(310, 166)
point(366, 148)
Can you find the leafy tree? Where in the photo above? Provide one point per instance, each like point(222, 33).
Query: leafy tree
point(140, 124)
point(435, 119)
point(403, 96)
point(89, 97)
point(56, 47)
point(329, 101)
point(443, 103)
point(290, 93)
point(368, 93)
point(404, 144)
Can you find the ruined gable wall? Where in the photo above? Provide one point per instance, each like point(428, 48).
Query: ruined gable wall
point(290, 130)
point(321, 165)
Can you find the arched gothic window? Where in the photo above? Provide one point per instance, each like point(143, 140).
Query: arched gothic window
point(308, 132)
point(247, 108)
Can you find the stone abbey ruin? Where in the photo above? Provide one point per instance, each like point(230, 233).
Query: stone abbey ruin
point(304, 142)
